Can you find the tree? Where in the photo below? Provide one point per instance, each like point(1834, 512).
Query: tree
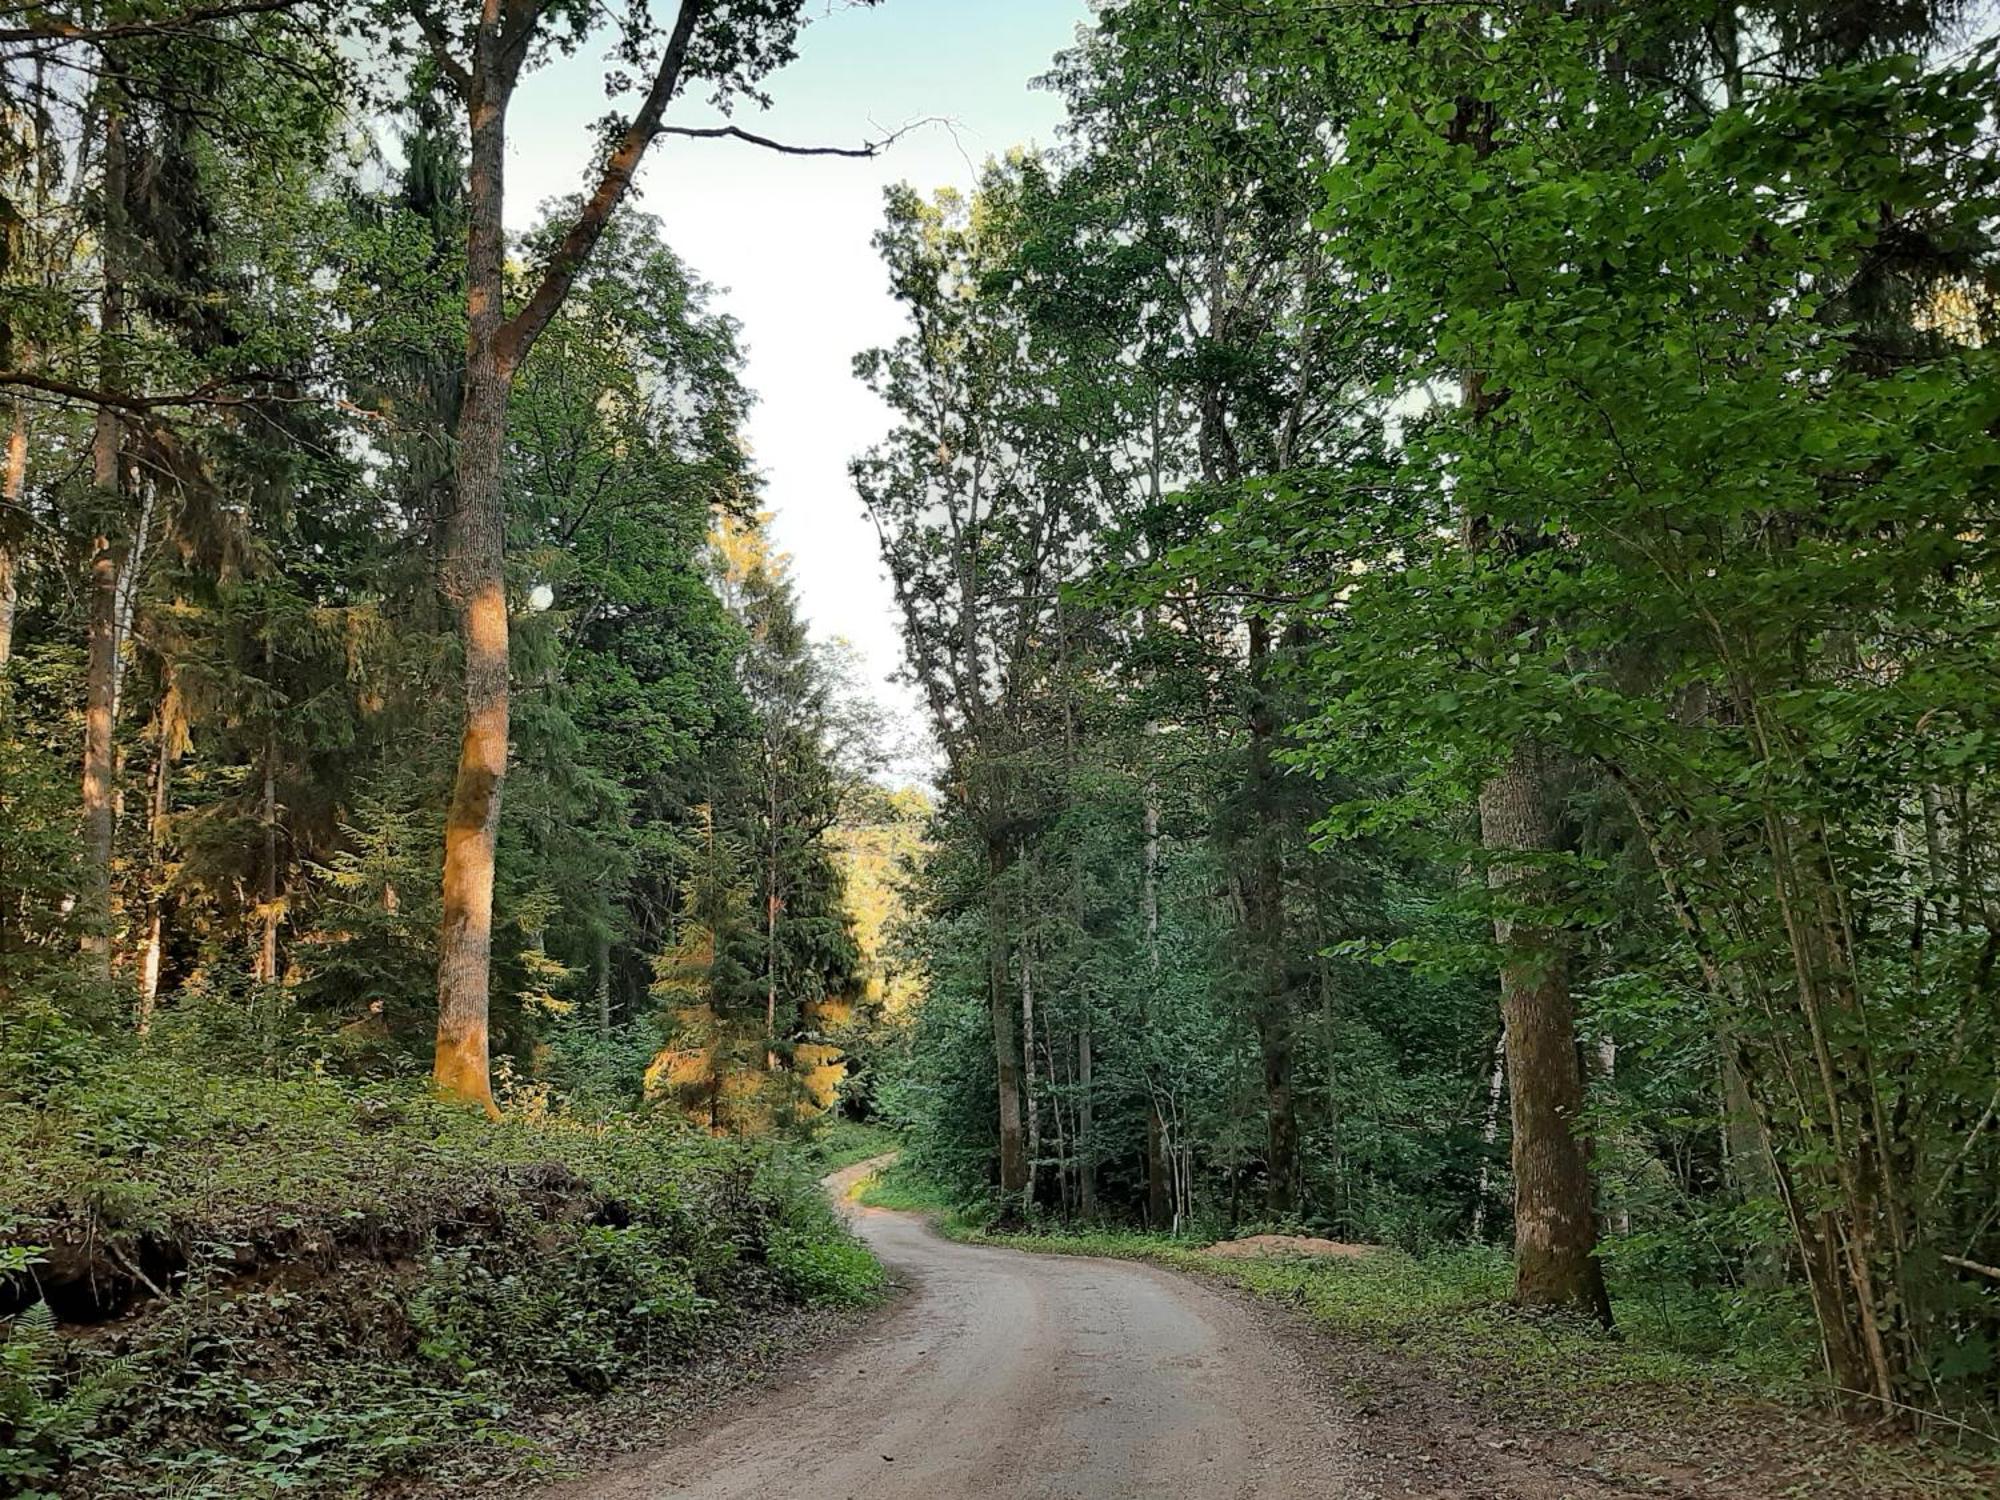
point(482, 56)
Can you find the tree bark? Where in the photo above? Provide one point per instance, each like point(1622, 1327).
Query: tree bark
point(10, 512)
point(152, 955)
point(603, 967)
point(1555, 1229)
point(106, 565)
point(475, 584)
point(1489, 1132)
point(267, 945)
point(1086, 1125)
point(1006, 1053)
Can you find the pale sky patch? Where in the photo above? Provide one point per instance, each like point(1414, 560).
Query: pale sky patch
point(785, 240)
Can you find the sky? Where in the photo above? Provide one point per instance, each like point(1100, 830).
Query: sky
point(785, 241)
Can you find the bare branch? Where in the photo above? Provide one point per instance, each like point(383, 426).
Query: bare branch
point(736, 132)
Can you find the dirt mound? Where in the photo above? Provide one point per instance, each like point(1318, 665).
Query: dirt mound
point(1263, 1246)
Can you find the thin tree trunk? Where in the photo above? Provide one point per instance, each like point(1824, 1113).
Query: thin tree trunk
point(1086, 1125)
point(771, 911)
point(267, 947)
point(603, 968)
point(1616, 1217)
point(1159, 1191)
point(1264, 911)
point(1028, 1073)
point(151, 958)
point(106, 559)
point(1489, 1132)
point(1006, 1053)
point(10, 519)
point(1555, 1230)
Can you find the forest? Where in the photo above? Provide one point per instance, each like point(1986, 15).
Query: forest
point(1445, 552)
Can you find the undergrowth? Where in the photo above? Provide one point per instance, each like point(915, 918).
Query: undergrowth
point(217, 1285)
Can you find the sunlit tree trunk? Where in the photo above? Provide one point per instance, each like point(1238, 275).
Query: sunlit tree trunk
point(152, 955)
point(476, 586)
point(107, 556)
point(473, 567)
point(10, 519)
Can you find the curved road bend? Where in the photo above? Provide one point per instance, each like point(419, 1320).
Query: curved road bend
point(1005, 1376)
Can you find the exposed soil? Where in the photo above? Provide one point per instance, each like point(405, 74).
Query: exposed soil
point(1263, 1246)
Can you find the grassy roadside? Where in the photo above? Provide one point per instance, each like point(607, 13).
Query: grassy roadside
point(842, 1143)
point(1659, 1387)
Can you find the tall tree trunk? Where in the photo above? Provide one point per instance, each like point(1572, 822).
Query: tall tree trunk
point(1028, 1072)
point(475, 532)
point(1264, 912)
point(1555, 1228)
point(1158, 1188)
point(475, 583)
point(11, 507)
point(267, 914)
point(1006, 1053)
point(106, 566)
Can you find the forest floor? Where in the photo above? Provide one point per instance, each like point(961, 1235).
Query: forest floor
point(1006, 1374)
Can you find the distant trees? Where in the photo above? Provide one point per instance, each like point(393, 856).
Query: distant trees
point(237, 540)
point(1532, 566)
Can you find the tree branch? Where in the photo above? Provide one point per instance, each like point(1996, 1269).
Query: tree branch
point(736, 132)
point(519, 333)
point(65, 32)
point(439, 42)
point(1971, 1265)
point(210, 393)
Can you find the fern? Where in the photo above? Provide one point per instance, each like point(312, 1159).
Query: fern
point(42, 1414)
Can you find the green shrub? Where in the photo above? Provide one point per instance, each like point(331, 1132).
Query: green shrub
point(319, 1282)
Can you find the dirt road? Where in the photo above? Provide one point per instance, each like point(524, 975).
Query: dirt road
point(1006, 1376)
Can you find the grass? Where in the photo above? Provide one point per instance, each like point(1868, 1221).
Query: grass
point(842, 1143)
point(1671, 1376)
